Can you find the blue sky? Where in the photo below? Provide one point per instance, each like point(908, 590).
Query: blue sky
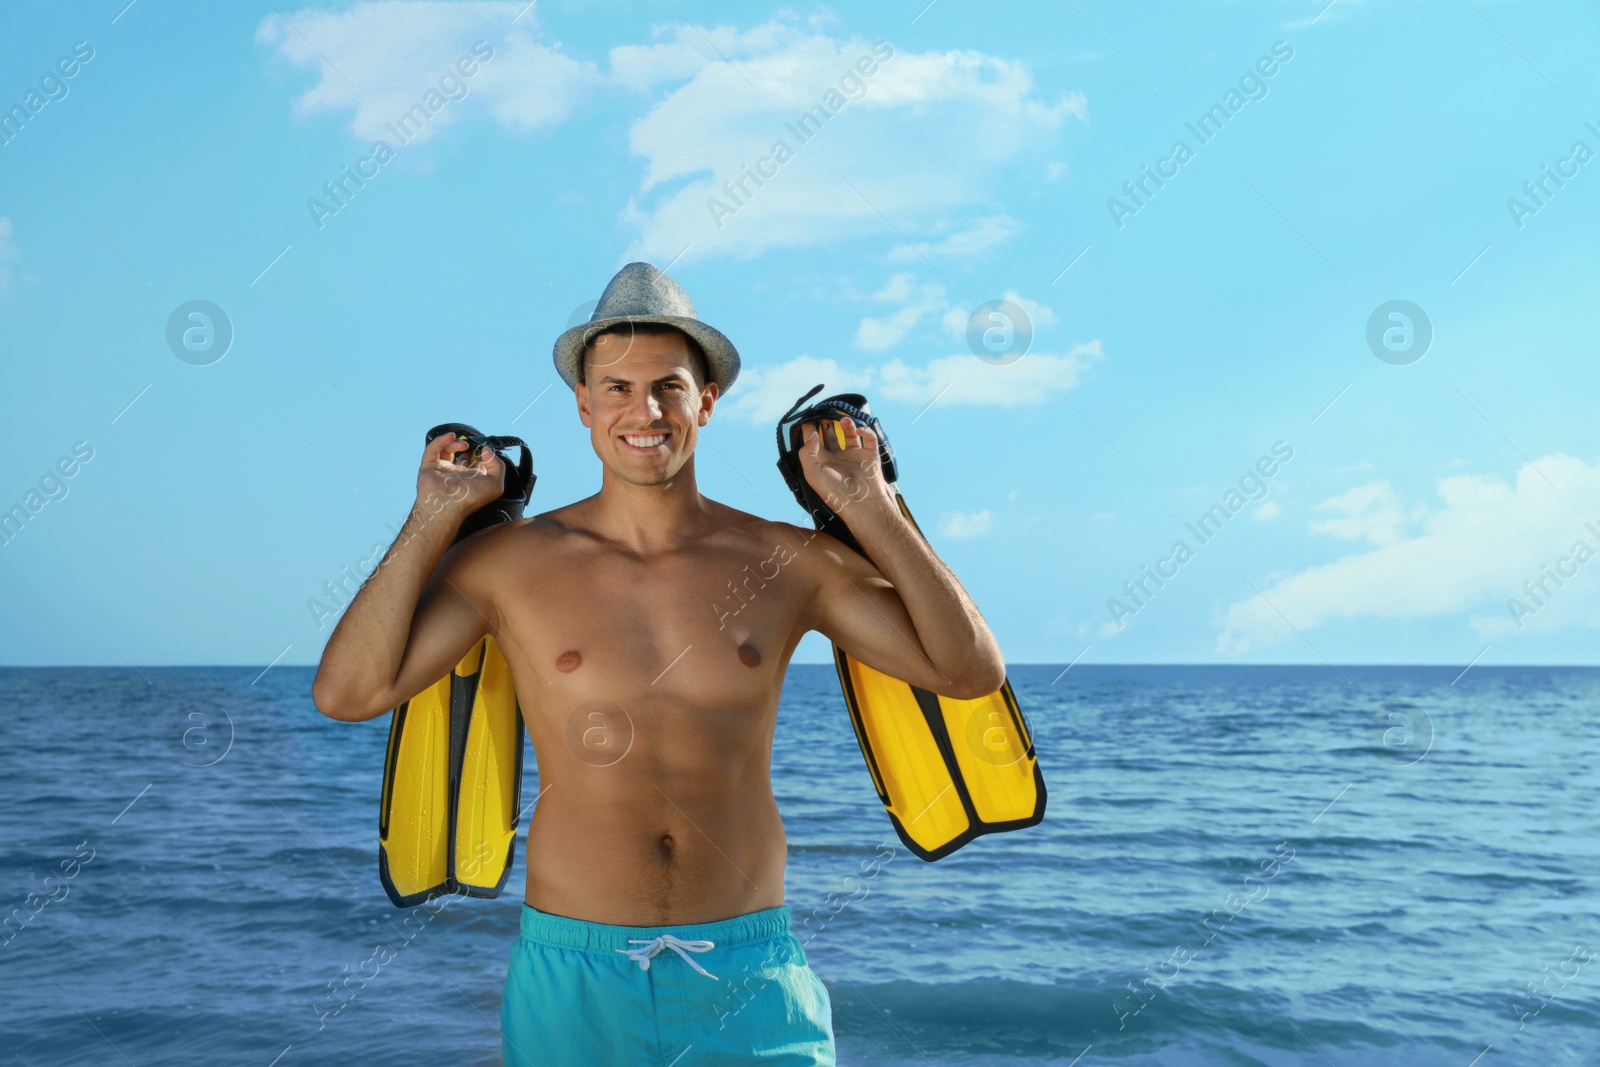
point(1180, 334)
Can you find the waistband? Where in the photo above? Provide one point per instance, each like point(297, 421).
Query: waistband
point(565, 932)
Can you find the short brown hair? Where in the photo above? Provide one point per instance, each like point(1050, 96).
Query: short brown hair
point(653, 329)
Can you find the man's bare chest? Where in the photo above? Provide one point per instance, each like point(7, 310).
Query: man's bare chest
point(712, 627)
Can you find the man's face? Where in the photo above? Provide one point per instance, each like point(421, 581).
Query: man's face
point(641, 404)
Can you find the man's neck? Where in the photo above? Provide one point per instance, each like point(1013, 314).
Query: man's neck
point(651, 518)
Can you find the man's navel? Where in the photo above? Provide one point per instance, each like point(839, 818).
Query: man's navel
point(569, 661)
point(749, 655)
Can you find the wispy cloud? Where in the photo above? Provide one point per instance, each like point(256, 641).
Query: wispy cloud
point(900, 145)
point(966, 239)
point(955, 319)
point(764, 393)
point(906, 145)
point(1368, 513)
point(9, 253)
point(965, 379)
point(1473, 553)
point(920, 300)
point(961, 525)
point(916, 301)
point(380, 59)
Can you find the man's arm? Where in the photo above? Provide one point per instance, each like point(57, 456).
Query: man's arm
point(408, 624)
point(907, 616)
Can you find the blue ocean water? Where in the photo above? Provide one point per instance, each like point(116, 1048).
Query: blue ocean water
point(1276, 865)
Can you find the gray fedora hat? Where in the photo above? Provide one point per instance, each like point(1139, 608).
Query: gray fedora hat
point(641, 293)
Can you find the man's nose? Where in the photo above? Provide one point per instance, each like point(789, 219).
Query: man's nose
point(646, 404)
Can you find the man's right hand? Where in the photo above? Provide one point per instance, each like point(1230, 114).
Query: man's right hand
point(450, 477)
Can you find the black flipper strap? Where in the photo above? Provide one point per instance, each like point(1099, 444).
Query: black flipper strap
point(517, 479)
point(791, 438)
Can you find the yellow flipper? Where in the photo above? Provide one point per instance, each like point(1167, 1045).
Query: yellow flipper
point(946, 770)
point(491, 781)
point(452, 784)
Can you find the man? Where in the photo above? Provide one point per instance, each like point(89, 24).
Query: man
point(654, 878)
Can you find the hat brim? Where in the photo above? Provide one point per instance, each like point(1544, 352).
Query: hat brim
point(722, 358)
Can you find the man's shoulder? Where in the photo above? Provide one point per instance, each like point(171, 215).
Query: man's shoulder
point(507, 536)
point(807, 550)
point(762, 528)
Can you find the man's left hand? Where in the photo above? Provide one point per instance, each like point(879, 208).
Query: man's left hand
point(843, 475)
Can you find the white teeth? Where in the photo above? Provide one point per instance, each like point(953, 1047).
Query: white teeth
point(644, 442)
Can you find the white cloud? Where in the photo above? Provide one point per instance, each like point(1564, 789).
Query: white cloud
point(979, 235)
point(1266, 512)
point(956, 319)
point(1369, 513)
point(8, 252)
point(1039, 313)
point(681, 51)
point(877, 334)
point(899, 287)
point(960, 525)
point(954, 322)
point(380, 59)
point(1475, 552)
point(923, 140)
point(762, 394)
point(926, 136)
point(643, 67)
point(965, 379)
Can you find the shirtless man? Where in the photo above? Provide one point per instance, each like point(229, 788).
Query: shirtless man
point(613, 609)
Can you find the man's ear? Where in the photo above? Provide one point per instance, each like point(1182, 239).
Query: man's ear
point(581, 393)
point(708, 401)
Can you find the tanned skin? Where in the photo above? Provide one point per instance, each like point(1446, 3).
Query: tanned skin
point(649, 688)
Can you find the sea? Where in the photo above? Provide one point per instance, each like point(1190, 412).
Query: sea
point(1297, 866)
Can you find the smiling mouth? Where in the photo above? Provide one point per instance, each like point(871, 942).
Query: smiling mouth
point(645, 442)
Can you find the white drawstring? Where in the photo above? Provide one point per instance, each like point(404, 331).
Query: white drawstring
point(642, 955)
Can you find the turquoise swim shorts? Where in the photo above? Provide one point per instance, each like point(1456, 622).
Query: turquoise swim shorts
point(735, 991)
